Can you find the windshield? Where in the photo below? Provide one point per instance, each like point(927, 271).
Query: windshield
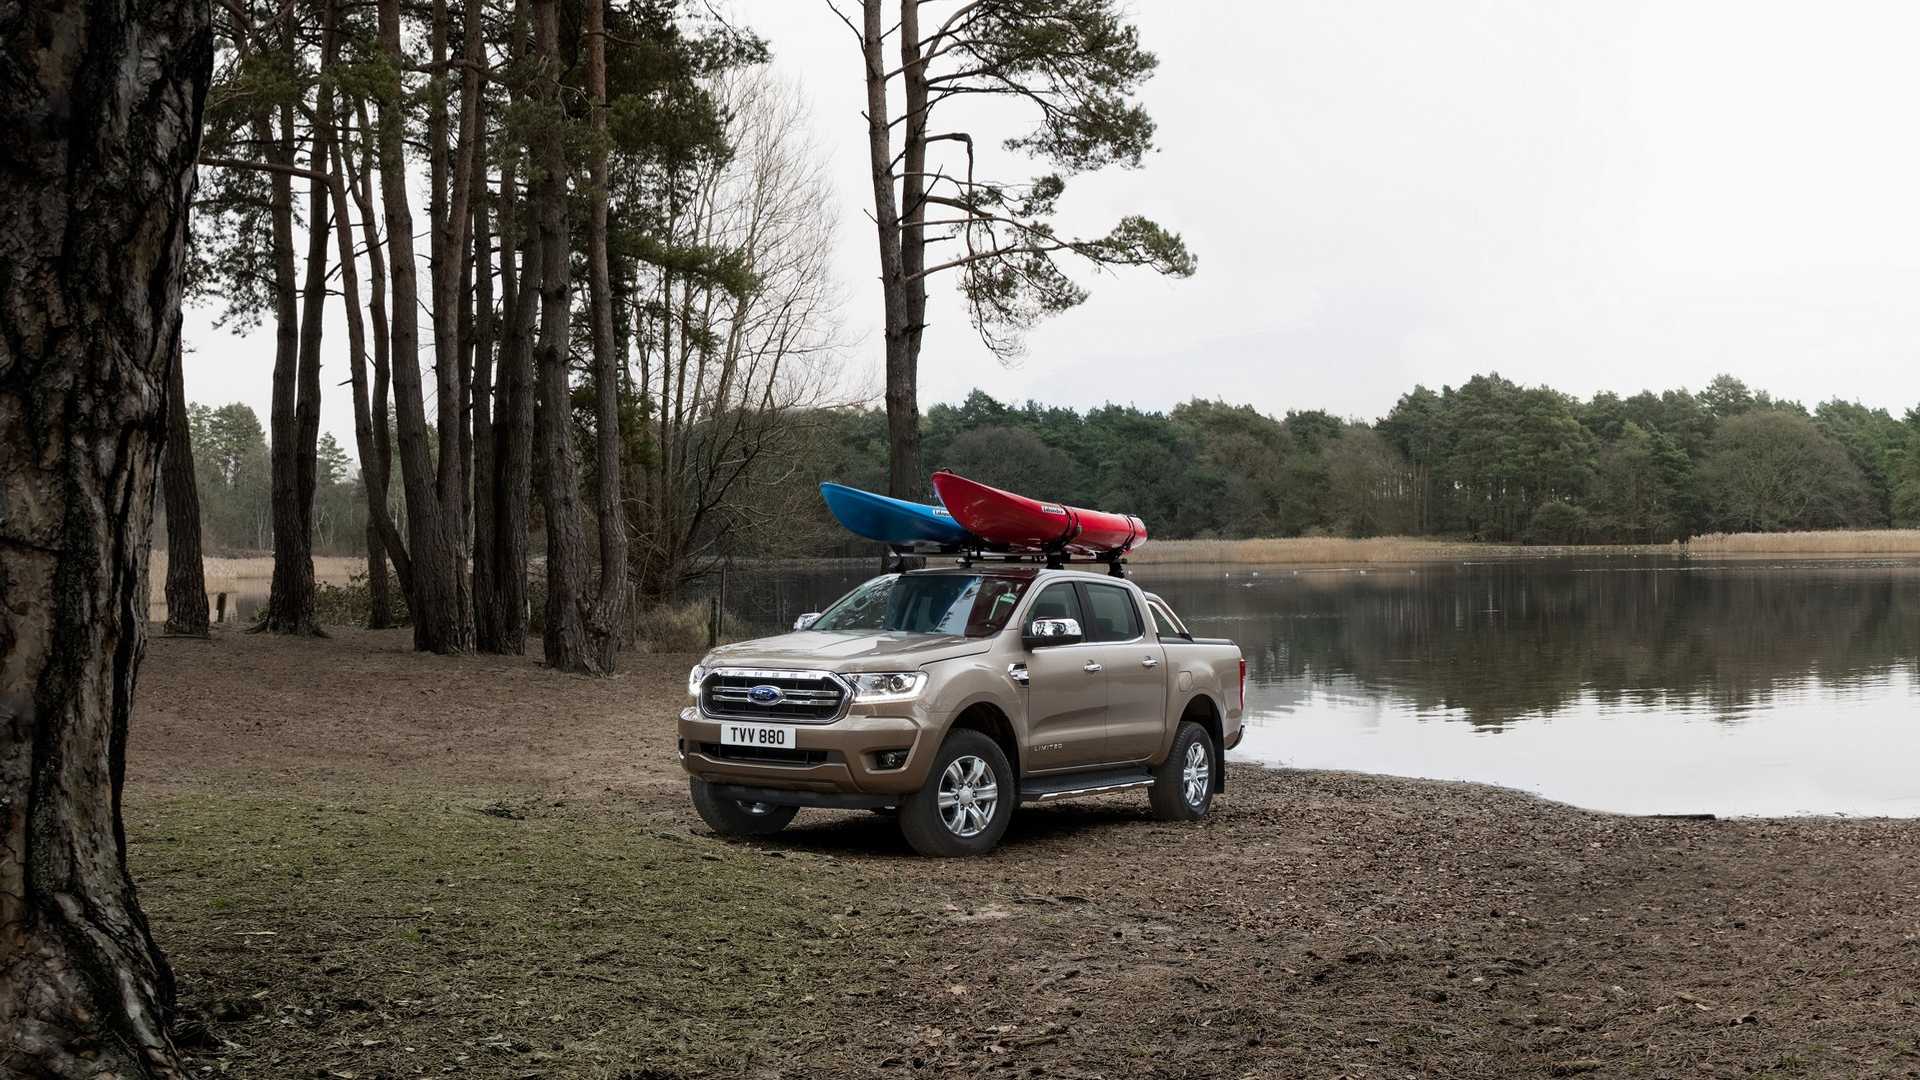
point(973, 605)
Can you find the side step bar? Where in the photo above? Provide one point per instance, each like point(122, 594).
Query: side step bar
point(1073, 785)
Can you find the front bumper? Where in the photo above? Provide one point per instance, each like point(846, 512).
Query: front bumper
point(836, 758)
point(827, 800)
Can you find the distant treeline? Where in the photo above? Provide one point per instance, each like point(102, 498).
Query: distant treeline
point(1489, 459)
point(235, 484)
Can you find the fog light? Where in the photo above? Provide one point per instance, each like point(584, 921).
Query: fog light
point(891, 759)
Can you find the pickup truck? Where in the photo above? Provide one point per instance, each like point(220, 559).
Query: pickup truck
point(948, 696)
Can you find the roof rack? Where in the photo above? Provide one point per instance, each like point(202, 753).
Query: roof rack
point(1052, 558)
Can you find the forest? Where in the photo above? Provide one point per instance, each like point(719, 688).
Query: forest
point(610, 345)
point(1489, 460)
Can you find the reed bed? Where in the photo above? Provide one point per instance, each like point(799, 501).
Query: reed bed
point(1834, 542)
point(258, 569)
point(1311, 550)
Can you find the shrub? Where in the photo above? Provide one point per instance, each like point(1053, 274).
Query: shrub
point(670, 627)
point(352, 604)
point(1557, 522)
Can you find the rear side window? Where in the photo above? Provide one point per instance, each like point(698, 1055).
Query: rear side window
point(1164, 624)
point(1057, 602)
point(1111, 613)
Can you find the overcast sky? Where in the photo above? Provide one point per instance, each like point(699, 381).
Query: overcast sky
point(1597, 196)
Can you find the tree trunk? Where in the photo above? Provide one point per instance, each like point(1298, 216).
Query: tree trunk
point(901, 335)
point(380, 606)
point(102, 113)
point(376, 470)
point(290, 596)
point(450, 184)
point(903, 359)
point(439, 600)
point(290, 599)
point(186, 574)
point(565, 636)
point(502, 627)
point(610, 603)
point(485, 631)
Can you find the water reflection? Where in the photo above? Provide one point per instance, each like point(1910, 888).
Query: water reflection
point(1496, 643)
point(1656, 686)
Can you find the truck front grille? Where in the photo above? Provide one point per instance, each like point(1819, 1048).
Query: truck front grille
point(805, 697)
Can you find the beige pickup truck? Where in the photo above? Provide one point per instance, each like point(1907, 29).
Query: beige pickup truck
point(948, 696)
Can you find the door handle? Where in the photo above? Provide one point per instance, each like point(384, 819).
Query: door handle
point(1149, 662)
point(1091, 668)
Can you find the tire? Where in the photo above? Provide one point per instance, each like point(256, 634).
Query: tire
point(730, 817)
point(973, 822)
point(1183, 785)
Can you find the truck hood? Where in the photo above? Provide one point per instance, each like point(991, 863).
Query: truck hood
point(846, 651)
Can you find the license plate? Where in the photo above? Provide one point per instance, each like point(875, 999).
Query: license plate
point(765, 736)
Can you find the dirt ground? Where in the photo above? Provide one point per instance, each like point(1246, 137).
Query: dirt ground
point(365, 863)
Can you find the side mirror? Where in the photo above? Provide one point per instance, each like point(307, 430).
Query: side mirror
point(806, 620)
point(1043, 632)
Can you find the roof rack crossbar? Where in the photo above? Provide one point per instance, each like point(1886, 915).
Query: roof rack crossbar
point(1051, 558)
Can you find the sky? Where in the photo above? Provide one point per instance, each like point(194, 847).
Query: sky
point(1595, 196)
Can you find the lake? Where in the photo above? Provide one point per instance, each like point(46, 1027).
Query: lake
point(1632, 684)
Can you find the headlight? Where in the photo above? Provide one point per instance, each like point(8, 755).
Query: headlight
point(888, 686)
point(694, 679)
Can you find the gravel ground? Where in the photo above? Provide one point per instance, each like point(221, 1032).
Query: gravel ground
point(366, 863)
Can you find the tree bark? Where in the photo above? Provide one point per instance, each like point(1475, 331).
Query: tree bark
point(102, 115)
point(604, 621)
point(901, 335)
point(296, 422)
point(290, 596)
point(376, 470)
point(500, 611)
point(485, 632)
point(564, 638)
point(440, 601)
point(450, 183)
point(186, 574)
point(372, 478)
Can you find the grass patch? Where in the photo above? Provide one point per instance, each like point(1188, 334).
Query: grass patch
point(418, 934)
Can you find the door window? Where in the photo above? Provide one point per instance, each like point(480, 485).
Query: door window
point(1112, 616)
point(1058, 602)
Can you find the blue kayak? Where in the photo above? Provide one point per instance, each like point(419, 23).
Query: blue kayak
point(890, 520)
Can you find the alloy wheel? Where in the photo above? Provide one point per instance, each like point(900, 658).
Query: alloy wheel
point(1195, 774)
point(969, 795)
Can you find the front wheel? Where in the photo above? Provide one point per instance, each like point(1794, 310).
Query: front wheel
point(967, 801)
point(1183, 785)
point(732, 817)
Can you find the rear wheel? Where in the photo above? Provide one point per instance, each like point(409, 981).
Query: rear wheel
point(967, 801)
point(734, 817)
point(1183, 785)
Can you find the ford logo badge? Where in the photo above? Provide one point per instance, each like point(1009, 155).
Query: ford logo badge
point(766, 695)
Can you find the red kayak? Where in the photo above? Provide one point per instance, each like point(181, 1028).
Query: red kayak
point(1015, 521)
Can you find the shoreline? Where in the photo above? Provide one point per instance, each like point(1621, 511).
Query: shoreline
point(234, 571)
point(1307, 551)
point(365, 860)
